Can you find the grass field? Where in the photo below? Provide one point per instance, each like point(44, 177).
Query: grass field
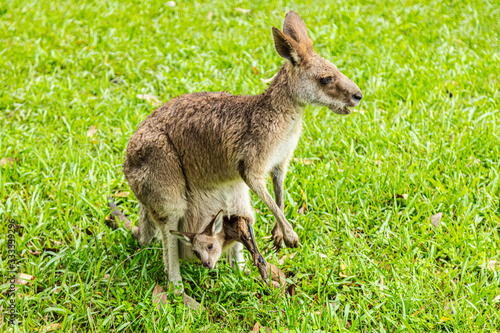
point(425, 140)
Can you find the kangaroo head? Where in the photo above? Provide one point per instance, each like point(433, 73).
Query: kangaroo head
point(312, 79)
point(205, 245)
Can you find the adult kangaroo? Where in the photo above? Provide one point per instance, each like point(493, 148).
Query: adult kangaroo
point(215, 141)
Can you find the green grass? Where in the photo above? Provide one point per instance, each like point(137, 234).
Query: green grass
point(426, 140)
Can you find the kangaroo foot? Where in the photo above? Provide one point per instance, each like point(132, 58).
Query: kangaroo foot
point(117, 216)
point(277, 238)
point(291, 238)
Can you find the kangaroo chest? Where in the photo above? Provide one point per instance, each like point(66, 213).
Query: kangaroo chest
point(284, 147)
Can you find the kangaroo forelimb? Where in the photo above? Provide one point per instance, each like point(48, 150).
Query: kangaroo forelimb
point(240, 229)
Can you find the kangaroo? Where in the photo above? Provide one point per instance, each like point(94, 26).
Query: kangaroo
point(211, 142)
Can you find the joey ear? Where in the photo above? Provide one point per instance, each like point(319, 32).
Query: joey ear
point(217, 223)
point(295, 27)
point(288, 48)
point(185, 237)
point(215, 226)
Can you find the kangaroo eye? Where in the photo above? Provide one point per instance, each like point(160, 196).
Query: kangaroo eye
point(210, 246)
point(325, 80)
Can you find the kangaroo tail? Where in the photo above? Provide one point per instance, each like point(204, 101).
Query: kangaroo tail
point(117, 216)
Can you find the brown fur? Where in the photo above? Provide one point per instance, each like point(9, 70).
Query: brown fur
point(204, 142)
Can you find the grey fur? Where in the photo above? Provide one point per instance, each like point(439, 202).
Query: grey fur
point(199, 153)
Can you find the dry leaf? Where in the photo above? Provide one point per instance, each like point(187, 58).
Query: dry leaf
point(276, 274)
point(291, 290)
point(281, 260)
point(417, 312)
point(292, 255)
point(23, 279)
point(241, 10)
point(435, 219)
point(303, 194)
point(159, 296)
point(170, 3)
point(106, 277)
point(493, 265)
point(302, 209)
point(262, 328)
point(210, 15)
point(50, 327)
point(91, 131)
point(54, 242)
point(192, 303)
point(307, 162)
point(6, 161)
point(256, 327)
point(343, 270)
point(255, 71)
point(322, 255)
point(381, 286)
point(122, 194)
point(151, 99)
point(449, 307)
point(35, 253)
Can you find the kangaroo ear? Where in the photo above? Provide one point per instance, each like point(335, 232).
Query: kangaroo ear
point(217, 223)
point(288, 48)
point(295, 27)
point(185, 237)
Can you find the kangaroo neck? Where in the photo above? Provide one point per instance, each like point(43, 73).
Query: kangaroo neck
point(279, 95)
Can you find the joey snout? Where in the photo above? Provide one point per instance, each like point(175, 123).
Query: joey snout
point(208, 264)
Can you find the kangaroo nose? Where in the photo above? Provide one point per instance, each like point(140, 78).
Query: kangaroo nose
point(206, 264)
point(357, 96)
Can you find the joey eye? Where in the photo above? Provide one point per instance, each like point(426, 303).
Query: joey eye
point(325, 80)
point(210, 246)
